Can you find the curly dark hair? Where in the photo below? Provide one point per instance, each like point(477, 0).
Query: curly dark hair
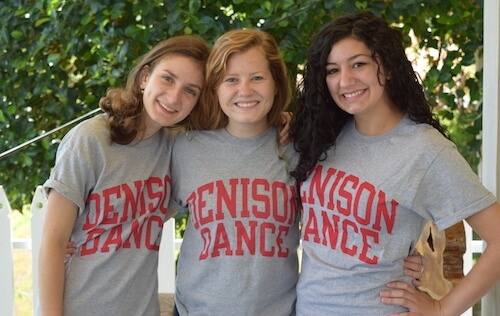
point(124, 106)
point(318, 120)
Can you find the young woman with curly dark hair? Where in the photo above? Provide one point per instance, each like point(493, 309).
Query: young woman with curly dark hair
point(375, 165)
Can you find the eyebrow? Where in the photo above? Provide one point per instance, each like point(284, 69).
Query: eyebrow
point(236, 74)
point(193, 85)
point(350, 58)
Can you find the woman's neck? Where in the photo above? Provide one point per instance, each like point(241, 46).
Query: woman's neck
point(378, 124)
point(246, 130)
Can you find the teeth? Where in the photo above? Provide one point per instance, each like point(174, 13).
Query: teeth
point(245, 104)
point(350, 95)
point(166, 107)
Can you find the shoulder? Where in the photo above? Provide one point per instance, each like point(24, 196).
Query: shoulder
point(428, 146)
point(88, 139)
point(425, 136)
point(95, 128)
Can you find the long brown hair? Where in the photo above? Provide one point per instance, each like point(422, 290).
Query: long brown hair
point(124, 106)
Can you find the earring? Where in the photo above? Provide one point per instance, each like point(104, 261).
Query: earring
point(142, 91)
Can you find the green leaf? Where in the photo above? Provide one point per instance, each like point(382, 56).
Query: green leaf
point(16, 34)
point(41, 21)
point(132, 30)
point(19, 63)
point(117, 10)
point(53, 59)
point(27, 161)
point(266, 5)
point(448, 19)
point(194, 6)
point(86, 19)
point(11, 109)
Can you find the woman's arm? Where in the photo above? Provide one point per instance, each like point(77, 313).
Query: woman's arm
point(483, 276)
point(59, 221)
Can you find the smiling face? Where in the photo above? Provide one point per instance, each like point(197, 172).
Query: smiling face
point(171, 90)
point(354, 80)
point(246, 93)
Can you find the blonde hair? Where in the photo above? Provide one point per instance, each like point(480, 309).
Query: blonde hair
point(210, 114)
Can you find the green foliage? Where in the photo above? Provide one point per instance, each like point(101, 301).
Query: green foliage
point(58, 57)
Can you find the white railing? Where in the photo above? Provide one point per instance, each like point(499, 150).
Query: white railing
point(166, 267)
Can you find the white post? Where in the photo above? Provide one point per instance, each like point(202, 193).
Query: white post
point(490, 304)
point(166, 260)
point(6, 258)
point(37, 210)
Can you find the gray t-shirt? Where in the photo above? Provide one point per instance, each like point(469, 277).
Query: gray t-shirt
point(364, 208)
point(239, 252)
point(122, 192)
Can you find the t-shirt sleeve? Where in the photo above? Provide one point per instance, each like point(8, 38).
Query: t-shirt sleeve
point(177, 172)
point(450, 191)
point(74, 172)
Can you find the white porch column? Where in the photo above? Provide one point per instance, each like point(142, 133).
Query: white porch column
point(6, 261)
point(490, 304)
